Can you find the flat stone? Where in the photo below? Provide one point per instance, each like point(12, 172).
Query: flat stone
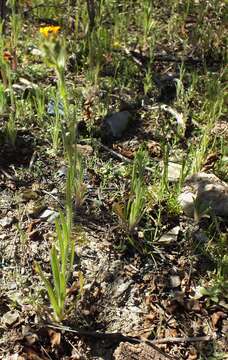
point(127, 351)
point(170, 236)
point(10, 318)
point(174, 171)
point(122, 288)
point(204, 193)
point(46, 214)
point(62, 171)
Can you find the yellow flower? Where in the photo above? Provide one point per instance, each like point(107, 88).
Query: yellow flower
point(116, 44)
point(49, 30)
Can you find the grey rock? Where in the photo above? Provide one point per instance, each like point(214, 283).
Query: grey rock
point(10, 318)
point(170, 236)
point(204, 193)
point(36, 52)
point(117, 123)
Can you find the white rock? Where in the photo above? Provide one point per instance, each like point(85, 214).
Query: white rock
point(46, 213)
point(49, 215)
point(10, 318)
point(174, 171)
point(170, 236)
point(36, 52)
point(203, 193)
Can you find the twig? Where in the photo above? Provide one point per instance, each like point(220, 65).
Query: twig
point(54, 197)
point(115, 153)
point(32, 160)
point(175, 340)
point(49, 357)
point(11, 177)
point(125, 159)
point(121, 157)
point(165, 340)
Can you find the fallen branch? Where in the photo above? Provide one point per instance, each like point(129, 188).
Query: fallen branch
point(118, 337)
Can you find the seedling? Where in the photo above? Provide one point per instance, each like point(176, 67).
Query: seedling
point(62, 259)
point(132, 212)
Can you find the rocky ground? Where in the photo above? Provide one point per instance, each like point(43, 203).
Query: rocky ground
point(158, 291)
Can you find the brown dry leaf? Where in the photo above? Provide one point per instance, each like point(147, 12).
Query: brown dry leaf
point(55, 338)
point(30, 354)
point(31, 225)
point(95, 178)
point(210, 161)
point(7, 56)
point(215, 317)
point(154, 148)
point(118, 208)
point(151, 317)
point(169, 332)
point(192, 354)
point(124, 152)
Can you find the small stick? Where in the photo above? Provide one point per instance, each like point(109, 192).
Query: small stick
point(33, 158)
point(54, 197)
point(11, 177)
point(175, 340)
point(121, 157)
point(115, 154)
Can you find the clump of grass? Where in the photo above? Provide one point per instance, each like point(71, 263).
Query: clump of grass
point(132, 212)
point(62, 259)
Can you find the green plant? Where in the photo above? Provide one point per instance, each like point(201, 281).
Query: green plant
point(76, 188)
point(38, 100)
point(62, 259)
point(218, 286)
point(11, 130)
point(2, 99)
point(212, 109)
point(132, 212)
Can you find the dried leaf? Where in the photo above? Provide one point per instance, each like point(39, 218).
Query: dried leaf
point(215, 318)
point(55, 338)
